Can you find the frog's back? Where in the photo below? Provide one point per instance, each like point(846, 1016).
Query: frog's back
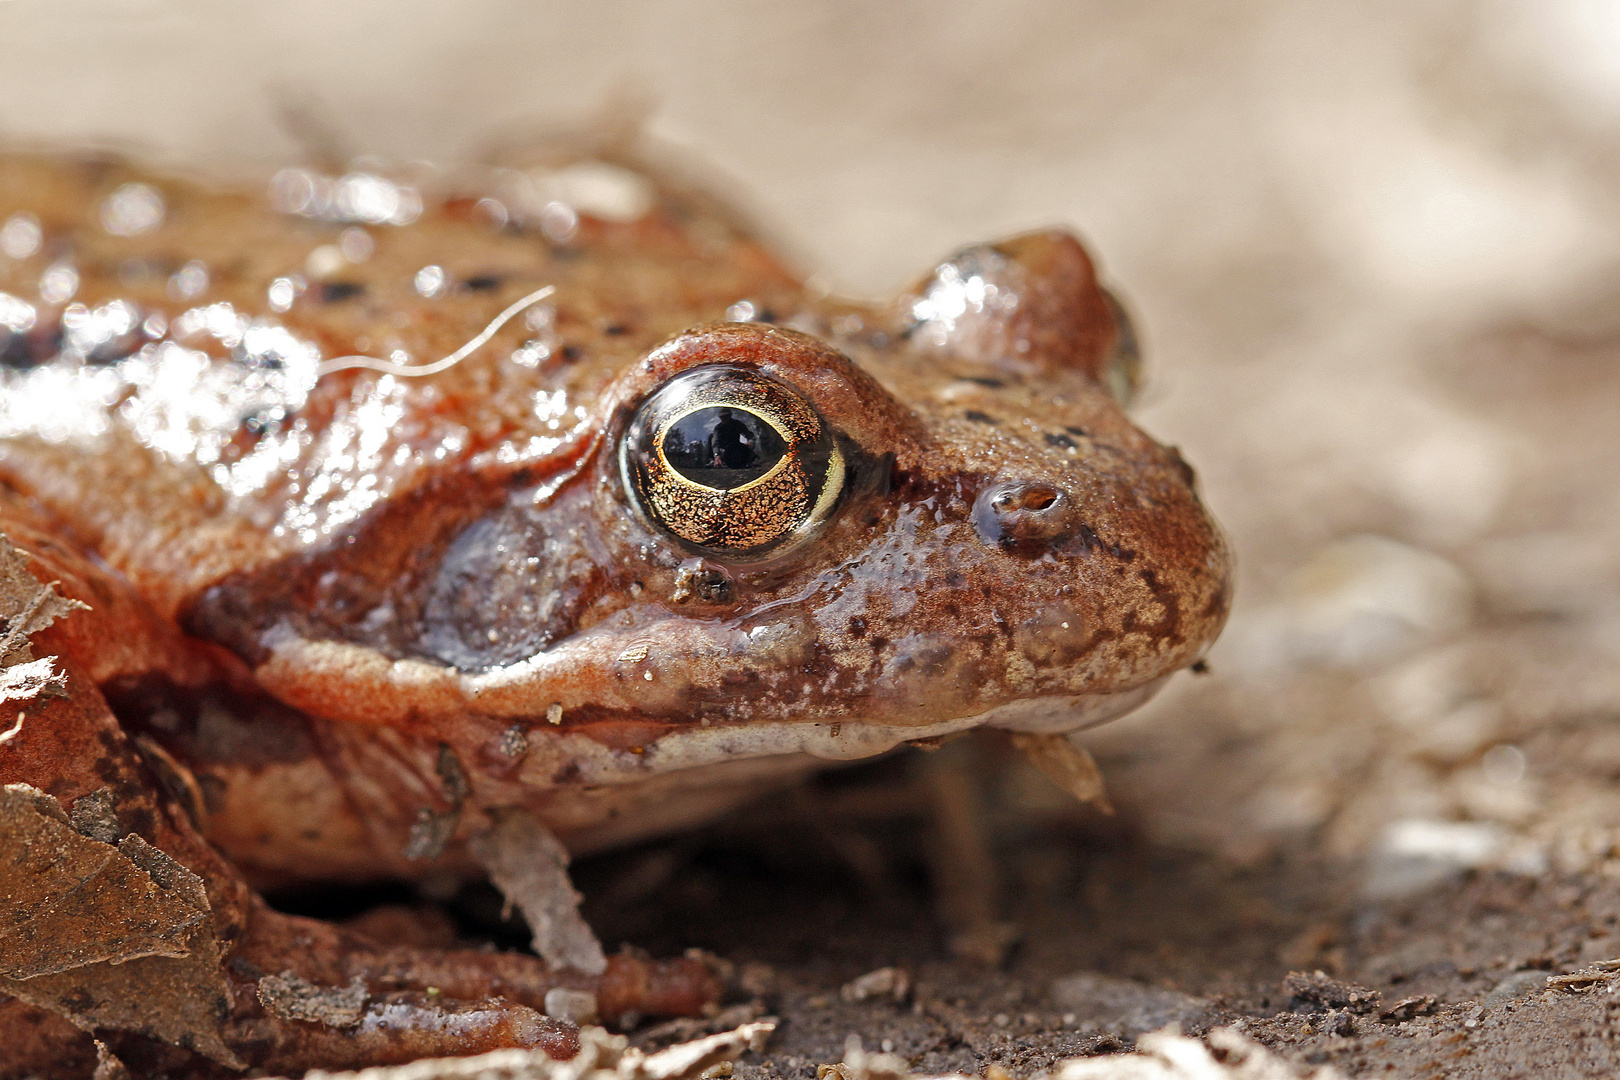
point(160, 341)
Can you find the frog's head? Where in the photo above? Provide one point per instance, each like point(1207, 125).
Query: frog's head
point(890, 524)
point(943, 520)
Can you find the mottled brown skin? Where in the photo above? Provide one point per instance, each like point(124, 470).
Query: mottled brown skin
point(441, 599)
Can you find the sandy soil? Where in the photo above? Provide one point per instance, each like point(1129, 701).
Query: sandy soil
point(1371, 248)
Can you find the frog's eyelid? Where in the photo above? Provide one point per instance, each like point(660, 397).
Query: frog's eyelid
point(389, 367)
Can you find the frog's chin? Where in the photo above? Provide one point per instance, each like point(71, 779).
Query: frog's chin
point(692, 775)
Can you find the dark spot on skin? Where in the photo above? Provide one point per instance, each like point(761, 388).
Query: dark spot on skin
point(1168, 626)
point(572, 353)
point(994, 384)
point(1090, 541)
point(617, 329)
point(980, 418)
point(856, 626)
point(1062, 440)
point(261, 423)
point(335, 292)
point(879, 643)
point(482, 283)
point(22, 350)
point(1077, 432)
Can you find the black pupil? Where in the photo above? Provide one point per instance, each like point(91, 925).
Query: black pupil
point(722, 447)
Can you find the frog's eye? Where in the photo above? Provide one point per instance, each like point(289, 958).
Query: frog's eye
point(732, 463)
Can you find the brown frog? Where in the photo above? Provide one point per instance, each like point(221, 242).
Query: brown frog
point(462, 522)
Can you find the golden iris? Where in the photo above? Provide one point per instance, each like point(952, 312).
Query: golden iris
point(731, 462)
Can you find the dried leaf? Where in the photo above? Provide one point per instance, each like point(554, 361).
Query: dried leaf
point(26, 606)
point(601, 1057)
point(530, 867)
point(107, 936)
point(291, 997)
point(73, 901)
point(1067, 764)
point(30, 679)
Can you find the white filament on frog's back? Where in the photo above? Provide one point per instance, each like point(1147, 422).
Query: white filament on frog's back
point(391, 367)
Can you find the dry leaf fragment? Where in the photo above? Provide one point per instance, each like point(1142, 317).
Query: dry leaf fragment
point(26, 606)
point(530, 867)
point(602, 1056)
point(30, 679)
point(1067, 764)
point(291, 997)
point(73, 901)
point(109, 936)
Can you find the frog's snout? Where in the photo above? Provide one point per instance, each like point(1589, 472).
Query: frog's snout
point(1023, 517)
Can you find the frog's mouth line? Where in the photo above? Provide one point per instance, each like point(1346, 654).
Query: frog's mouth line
point(692, 748)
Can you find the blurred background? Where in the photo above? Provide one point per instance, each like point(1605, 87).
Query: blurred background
point(1371, 246)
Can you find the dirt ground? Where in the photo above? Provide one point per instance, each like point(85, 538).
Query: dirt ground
point(1371, 249)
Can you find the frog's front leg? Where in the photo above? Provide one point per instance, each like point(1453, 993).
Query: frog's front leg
point(155, 944)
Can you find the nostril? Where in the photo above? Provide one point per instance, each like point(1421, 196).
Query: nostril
point(1023, 518)
point(1010, 499)
point(1039, 498)
point(1034, 497)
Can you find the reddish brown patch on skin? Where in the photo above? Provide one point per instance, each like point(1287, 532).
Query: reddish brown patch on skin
point(631, 735)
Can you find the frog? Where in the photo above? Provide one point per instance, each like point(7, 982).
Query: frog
point(458, 522)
